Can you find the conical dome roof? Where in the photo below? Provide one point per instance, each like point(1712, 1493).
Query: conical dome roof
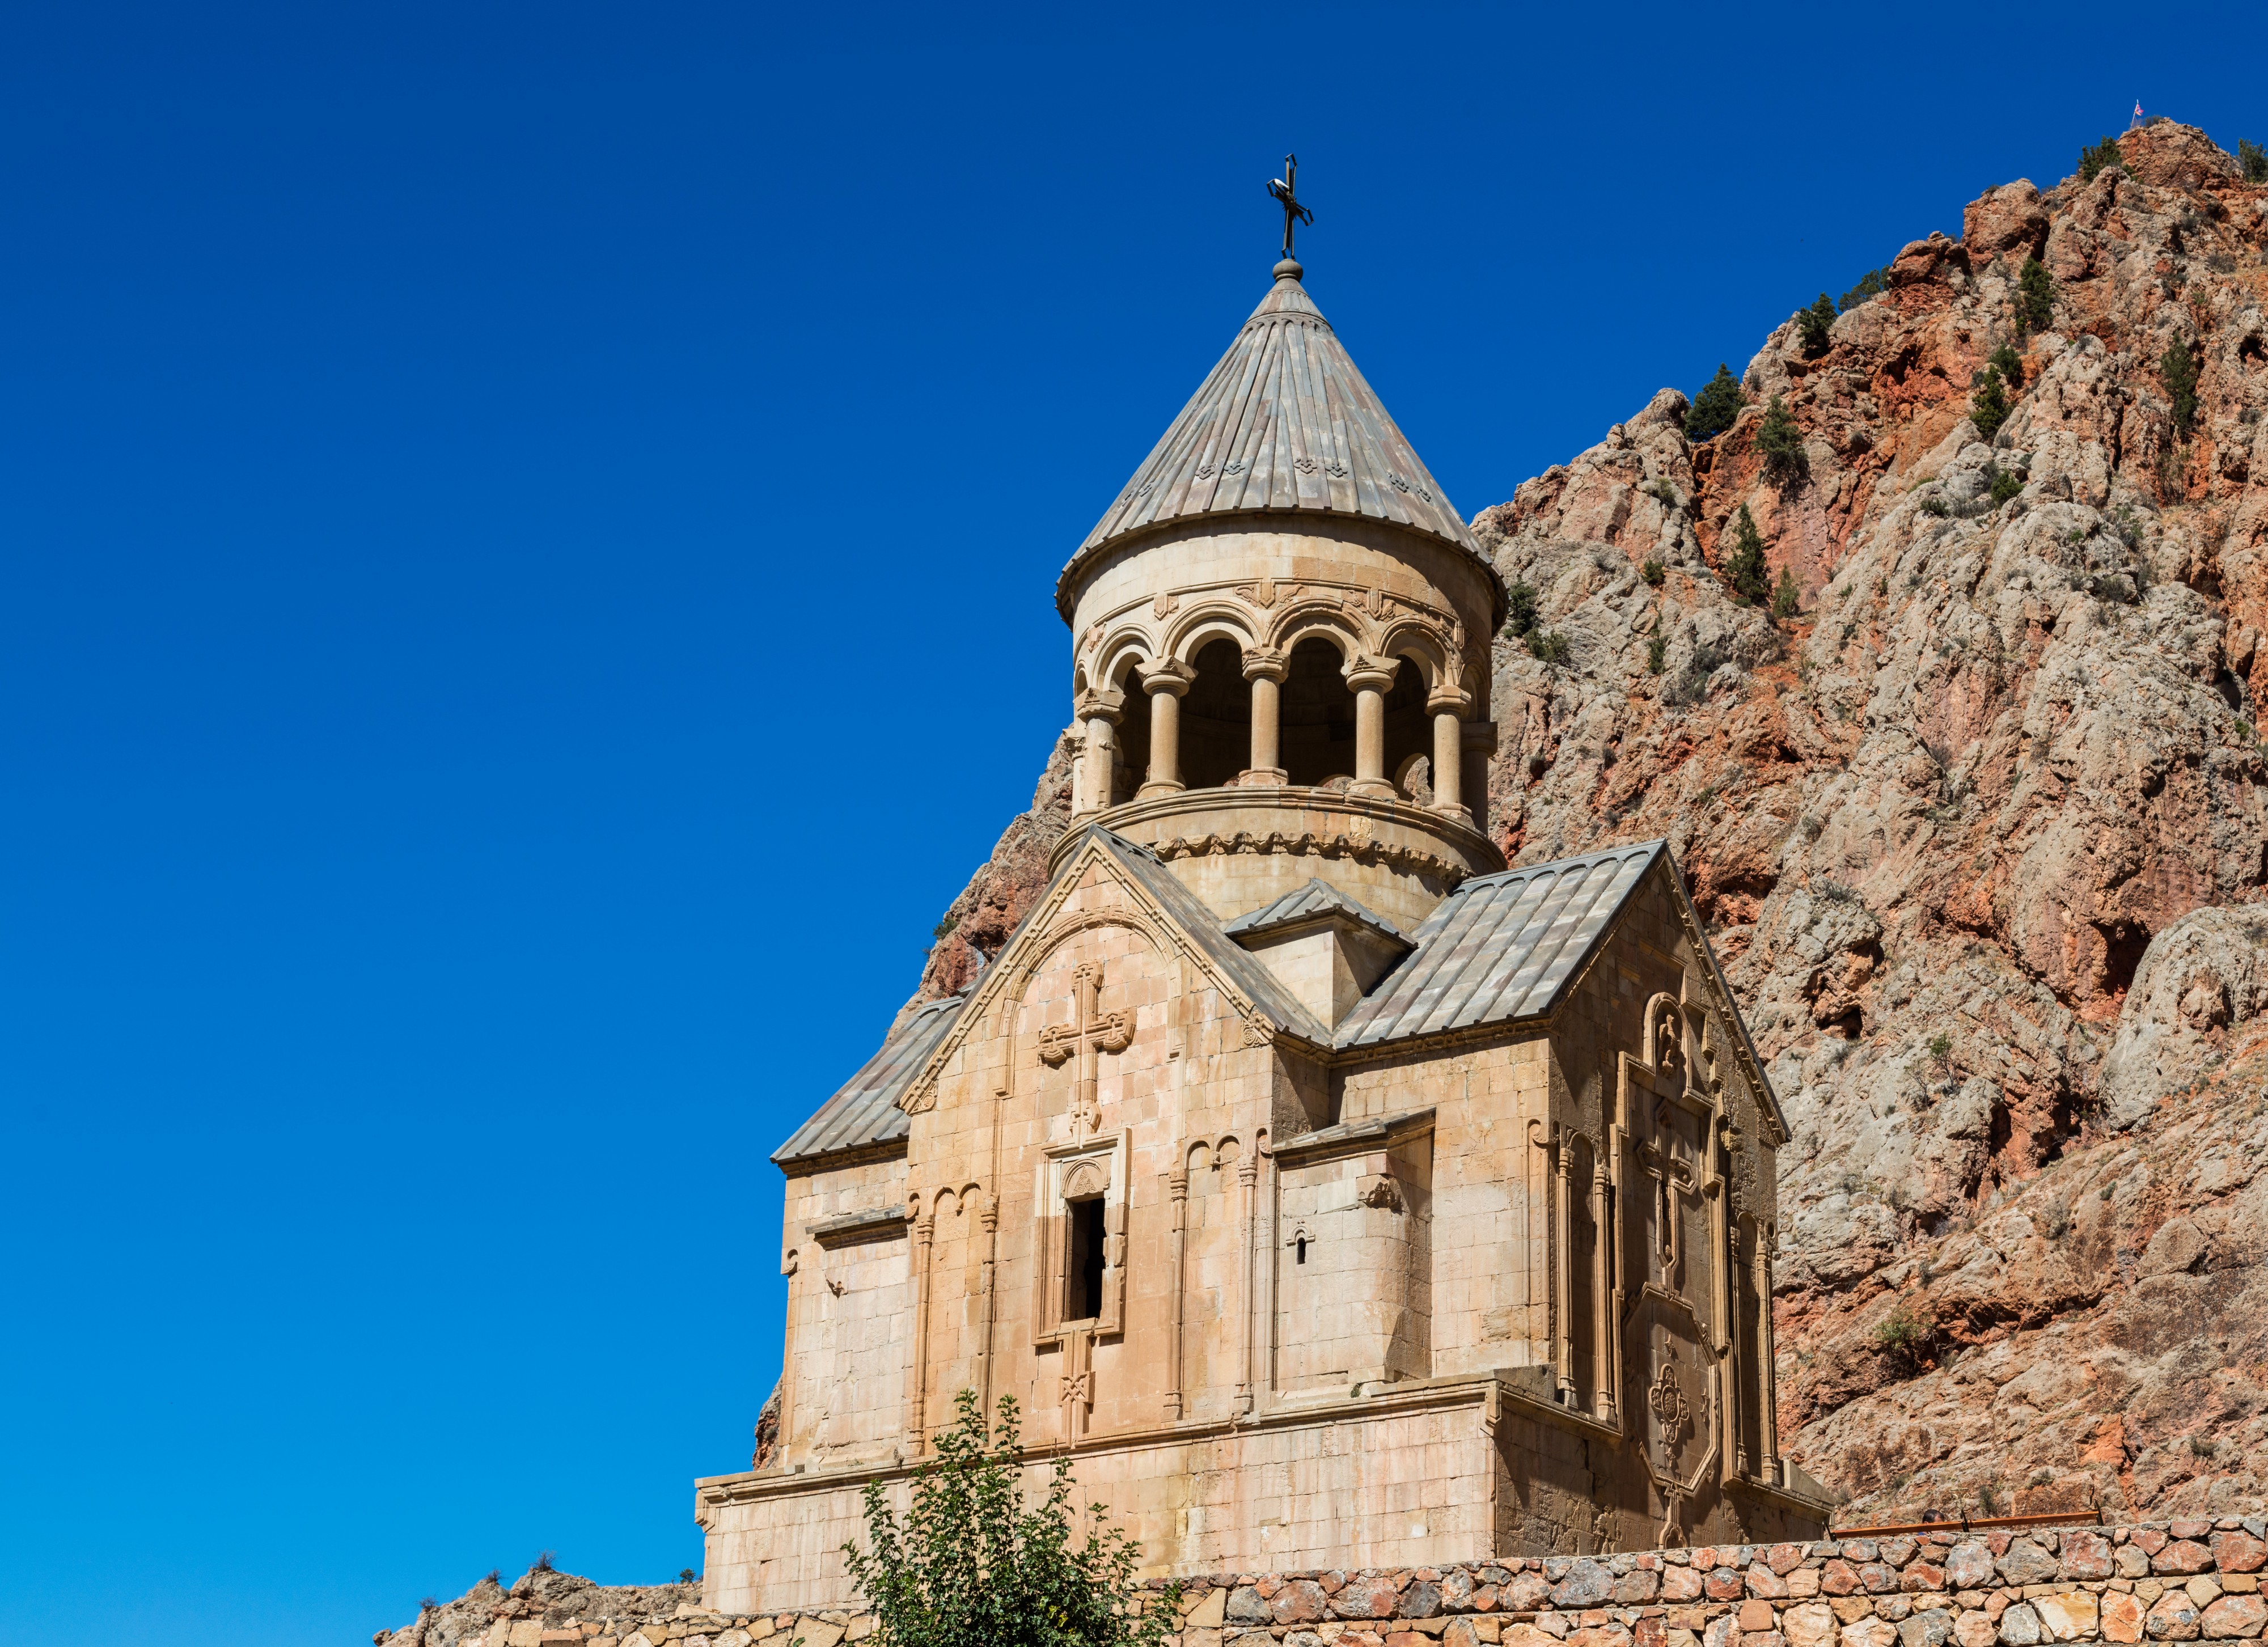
point(1284, 421)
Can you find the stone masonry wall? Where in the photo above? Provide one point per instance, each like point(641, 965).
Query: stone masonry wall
point(2169, 1582)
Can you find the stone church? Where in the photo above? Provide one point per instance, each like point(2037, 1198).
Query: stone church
point(1333, 1195)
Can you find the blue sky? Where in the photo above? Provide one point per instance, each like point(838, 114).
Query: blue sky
point(526, 540)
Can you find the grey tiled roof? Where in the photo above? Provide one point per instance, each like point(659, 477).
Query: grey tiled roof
point(1249, 973)
point(1501, 946)
point(1307, 903)
point(1284, 421)
point(864, 1112)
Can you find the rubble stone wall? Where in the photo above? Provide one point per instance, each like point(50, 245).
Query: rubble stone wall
point(2168, 1581)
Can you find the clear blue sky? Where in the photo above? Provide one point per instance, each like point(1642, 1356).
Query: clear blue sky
point(526, 547)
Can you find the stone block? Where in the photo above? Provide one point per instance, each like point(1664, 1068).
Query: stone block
point(1968, 1566)
point(2234, 1617)
point(1973, 1629)
point(2019, 1626)
point(1210, 1610)
point(524, 1633)
point(1763, 1581)
point(2084, 1555)
point(1930, 1629)
point(1724, 1585)
point(2131, 1560)
point(1756, 1615)
point(1246, 1606)
point(1870, 1633)
point(1637, 1587)
point(1422, 1599)
point(1370, 1597)
point(2182, 1556)
point(1301, 1601)
point(1839, 1578)
point(2173, 1618)
point(1919, 1577)
point(1586, 1584)
point(1880, 1577)
point(1850, 1609)
point(1803, 1582)
point(2026, 1563)
point(1678, 1584)
point(1785, 1558)
point(2067, 1617)
point(1809, 1624)
point(2238, 1552)
point(2120, 1617)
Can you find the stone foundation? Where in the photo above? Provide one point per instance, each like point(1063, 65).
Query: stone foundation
point(2177, 1582)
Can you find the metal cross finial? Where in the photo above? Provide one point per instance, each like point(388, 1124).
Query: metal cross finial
point(1294, 211)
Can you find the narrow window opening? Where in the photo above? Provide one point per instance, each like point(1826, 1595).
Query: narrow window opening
point(1085, 1260)
point(1301, 1244)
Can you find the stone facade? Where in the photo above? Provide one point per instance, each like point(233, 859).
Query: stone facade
point(1337, 1196)
point(1983, 1587)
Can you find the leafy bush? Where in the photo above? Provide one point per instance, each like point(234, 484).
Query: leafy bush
point(1988, 407)
point(2179, 369)
point(1520, 607)
point(2006, 484)
point(1746, 569)
point(2034, 296)
point(1715, 407)
point(1902, 1335)
point(1815, 323)
point(1657, 649)
point(1871, 284)
point(1787, 599)
point(1932, 504)
point(1547, 647)
point(2254, 159)
point(2008, 362)
point(2098, 157)
point(1652, 571)
point(972, 1562)
point(1782, 445)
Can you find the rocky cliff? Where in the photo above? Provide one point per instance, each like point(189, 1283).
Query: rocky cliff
point(1979, 829)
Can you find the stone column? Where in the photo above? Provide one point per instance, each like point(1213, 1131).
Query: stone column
point(1562, 1251)
point(924, 1232)
point(1601, 1367)
point(1177, 1187)
point(1248, 1175)
point(1767, 1373)
point(1478, 739)
point(1100, 712)
point(1447, 708)
point(1370, 678)
point(1165, 683)
point(1265, 670)
point(992, 1220)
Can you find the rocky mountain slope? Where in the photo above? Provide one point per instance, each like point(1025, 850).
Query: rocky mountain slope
point(1980, 831)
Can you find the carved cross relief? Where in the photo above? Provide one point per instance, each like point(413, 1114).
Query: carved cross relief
point(1090, 1034)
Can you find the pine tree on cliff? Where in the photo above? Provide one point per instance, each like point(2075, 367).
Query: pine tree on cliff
point(1745, 571)
point(1787, 599)
point(1988, 407)
point(1815, 323)
point(2034, 296)
point(2098, 157)
point(2254, 159)
point(2178, 368)
point(1782, 445)
point(1715, 407)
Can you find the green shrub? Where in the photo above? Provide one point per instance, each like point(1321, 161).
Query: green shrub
point(2177, 367)
point(1654, 572)
point(1715, 407)
point(1815, 323)
point(1787, 599)
point(1988, 407)
point(2006, 484)
point(2034, 296)
point(1871, 284)
point(1746, 570)
point(1547, 647)
point(2254, 159)
point(2098, 157)
point(1902, 1335)
point(973, 1562)
point(1657, 649)
point(1782, 445)
point(1520, 607)
point(2009, 363)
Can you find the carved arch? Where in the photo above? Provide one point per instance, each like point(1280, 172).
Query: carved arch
point(1206, 621)
point(1129, 644)
point(1323, 620)
point(1415, 639)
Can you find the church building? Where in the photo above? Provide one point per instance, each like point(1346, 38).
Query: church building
point(1333, 1195)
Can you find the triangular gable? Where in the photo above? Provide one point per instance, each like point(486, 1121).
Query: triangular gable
point(1176, 914)
point(1726, 1004)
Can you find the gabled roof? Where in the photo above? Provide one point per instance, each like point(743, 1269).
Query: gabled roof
point(1286, 421)
point(1248, 972)
point(864, 1112)
point(1501, 946)
point(1316, 900)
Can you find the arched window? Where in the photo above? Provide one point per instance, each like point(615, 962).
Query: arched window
point(1133, 743)
point(1215, 718)
point(1316, 717)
